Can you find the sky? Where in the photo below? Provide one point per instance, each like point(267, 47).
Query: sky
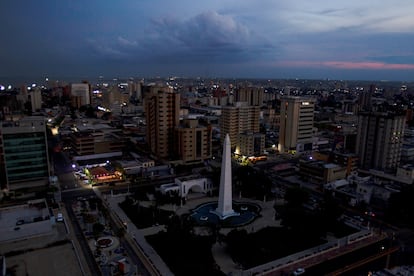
point(318, 39)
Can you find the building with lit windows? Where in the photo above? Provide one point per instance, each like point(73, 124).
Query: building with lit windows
point(296, 124)
point(380, 139)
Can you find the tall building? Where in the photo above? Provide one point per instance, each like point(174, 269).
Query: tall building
point(113, 98)
point(24, 160)
point(296, 124)
point(238, 119)
point(250, 144)
point(193, 141)
point(36, 99)
point(251, 95)
point(365, 98)
point(162, 110)
point(379, 140)
point(81, 94)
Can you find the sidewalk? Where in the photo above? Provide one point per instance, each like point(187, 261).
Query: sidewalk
point(135, 237)
point(75, 243)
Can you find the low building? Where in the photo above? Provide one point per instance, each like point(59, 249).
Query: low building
point(188, 184)
point(406, 172)
point(347, 160)
point(320, 172)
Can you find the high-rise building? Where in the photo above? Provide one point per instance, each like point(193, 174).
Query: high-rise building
point(24, 160)
point(36, 99)
point(237, 119)
point(81, 94)
point(251, 95)
point(365, 98)
point(162, 110)
point(379, 139)
point(296, 124)
point(193, 141)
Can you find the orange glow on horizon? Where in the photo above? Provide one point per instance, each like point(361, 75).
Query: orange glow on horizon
point(348, 65)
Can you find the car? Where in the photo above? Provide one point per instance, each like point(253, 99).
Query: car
point(299, 271)
point(59, 217)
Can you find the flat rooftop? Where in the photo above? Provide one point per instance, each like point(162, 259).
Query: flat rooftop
point(23, 221)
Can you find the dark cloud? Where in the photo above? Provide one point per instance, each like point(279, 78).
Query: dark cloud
point(206, 37)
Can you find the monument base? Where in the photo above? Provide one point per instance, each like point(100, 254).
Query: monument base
point(226, 215)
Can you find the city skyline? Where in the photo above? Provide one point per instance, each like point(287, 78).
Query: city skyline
point(237, 39)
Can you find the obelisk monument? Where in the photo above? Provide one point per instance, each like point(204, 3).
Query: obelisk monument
point(225, 206)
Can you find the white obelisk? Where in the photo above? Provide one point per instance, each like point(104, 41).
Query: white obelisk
point(225, 206)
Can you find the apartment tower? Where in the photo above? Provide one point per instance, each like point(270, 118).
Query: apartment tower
point(162, 110)
point(193, 141)
point(379, 140)
point(238, 119)
point(251, 95)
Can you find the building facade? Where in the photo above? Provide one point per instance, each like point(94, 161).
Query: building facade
point(193, 141)
point(162, 110)
point(36, 99)
point(379, 140)
point(238, 119)
point(296, 124)
point(250, 144)
point(81, 94)
point(24, 160)
point(251, 95)
point(96, 142)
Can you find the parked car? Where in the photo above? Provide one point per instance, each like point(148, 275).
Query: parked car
point(59, 217)
point(299, 271)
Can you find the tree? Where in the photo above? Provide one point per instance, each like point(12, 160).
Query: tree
point(296, 197)
point(97, 229)
point(401, 207)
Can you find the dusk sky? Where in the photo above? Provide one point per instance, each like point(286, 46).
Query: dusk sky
point(353, 39)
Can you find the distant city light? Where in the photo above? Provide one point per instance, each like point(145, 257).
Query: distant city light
point(33, 84)
point(9, 87)
point(47, 79)
point(2, 88)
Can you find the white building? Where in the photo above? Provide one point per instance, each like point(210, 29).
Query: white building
point(188, 184)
